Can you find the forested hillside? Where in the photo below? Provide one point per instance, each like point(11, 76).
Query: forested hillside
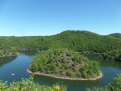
point(78, 41)
point(114, 55)
point(17, 42)
point(117, 35)
point(7, 51)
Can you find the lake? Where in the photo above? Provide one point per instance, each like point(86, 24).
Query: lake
point(19, 64)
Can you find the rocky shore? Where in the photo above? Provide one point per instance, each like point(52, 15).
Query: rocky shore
point(61, 77)
point(9, 55)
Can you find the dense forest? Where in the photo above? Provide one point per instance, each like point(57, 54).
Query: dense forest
point(114, 55)
point(7, 51)
point(117, 35)
point(17, 42)
point(29, 85)
point(80, 41)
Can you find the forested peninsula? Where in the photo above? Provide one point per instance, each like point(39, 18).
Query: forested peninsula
point(114, 55)
point(64, 64)
point(7, 51)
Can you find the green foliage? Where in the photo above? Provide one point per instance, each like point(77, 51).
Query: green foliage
point(116, 84)
point(82, 69)
point(29, 85)
point(81, 41)
point(90, 72)
point(112, 55)
point(91, 66)
point(75, 58)
point(84, 74)
point(69, 54)
point(117, 35)
point(57, 52)
point(68, 73)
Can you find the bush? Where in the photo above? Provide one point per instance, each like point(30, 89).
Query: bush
point(84, 74)
point(74, 59)
point(68, 73)
point(79, 74)
point(91, 66)
point(69, 54)
point(82, 69)
point(57, 52)
point(90, 72)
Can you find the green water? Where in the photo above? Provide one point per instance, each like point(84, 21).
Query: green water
point(19, 64)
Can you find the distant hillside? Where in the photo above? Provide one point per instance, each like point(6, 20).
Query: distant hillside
point(16, 42)
point(78, 41)
point(117, 35)
point(7, 51)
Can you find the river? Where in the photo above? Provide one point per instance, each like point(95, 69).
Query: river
point(19, 64)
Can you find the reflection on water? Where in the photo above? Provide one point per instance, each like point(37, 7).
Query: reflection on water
point(104, 63)
point(5, 60)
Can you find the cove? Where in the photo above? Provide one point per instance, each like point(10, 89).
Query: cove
point(19, 64)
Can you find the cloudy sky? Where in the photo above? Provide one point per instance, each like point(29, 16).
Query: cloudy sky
point(50, 17)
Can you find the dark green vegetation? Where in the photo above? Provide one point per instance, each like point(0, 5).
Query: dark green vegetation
point(63, 62)
point(7, 51)
point(114, 55)
point(117, 35)
point(80, 41)
point(114, 86)
point(29, 85)
point(17, 42)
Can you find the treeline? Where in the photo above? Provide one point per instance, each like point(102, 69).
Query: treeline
point(117, 35)
point(29, 85)
point(7, 50)
point(75, 40)
point(80, 41)
point(114, 55)
point(17, 42)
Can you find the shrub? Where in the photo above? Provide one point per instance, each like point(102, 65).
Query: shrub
point(68, 73)
point(82, 69)
point(84, 74)
point(90, 72)
point(91, 66)
point(57, 52)
point(79, 74)
point(74, 59)
point(69, 54)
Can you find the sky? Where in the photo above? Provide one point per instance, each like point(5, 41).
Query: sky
point(50, 17)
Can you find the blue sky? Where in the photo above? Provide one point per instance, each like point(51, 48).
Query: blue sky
point(50, 17)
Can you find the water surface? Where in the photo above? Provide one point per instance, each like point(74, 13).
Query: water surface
point(19, 64)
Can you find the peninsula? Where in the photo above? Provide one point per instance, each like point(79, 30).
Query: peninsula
point(64, 64)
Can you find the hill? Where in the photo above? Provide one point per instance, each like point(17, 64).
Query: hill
point(80, 41)
point(64, 64)
point(117, 35)
point(17, 42)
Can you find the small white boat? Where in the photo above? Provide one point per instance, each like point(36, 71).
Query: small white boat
point(12, 74)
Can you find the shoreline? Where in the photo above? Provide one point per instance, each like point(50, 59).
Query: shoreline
point(66, 78)
point(10, 55)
